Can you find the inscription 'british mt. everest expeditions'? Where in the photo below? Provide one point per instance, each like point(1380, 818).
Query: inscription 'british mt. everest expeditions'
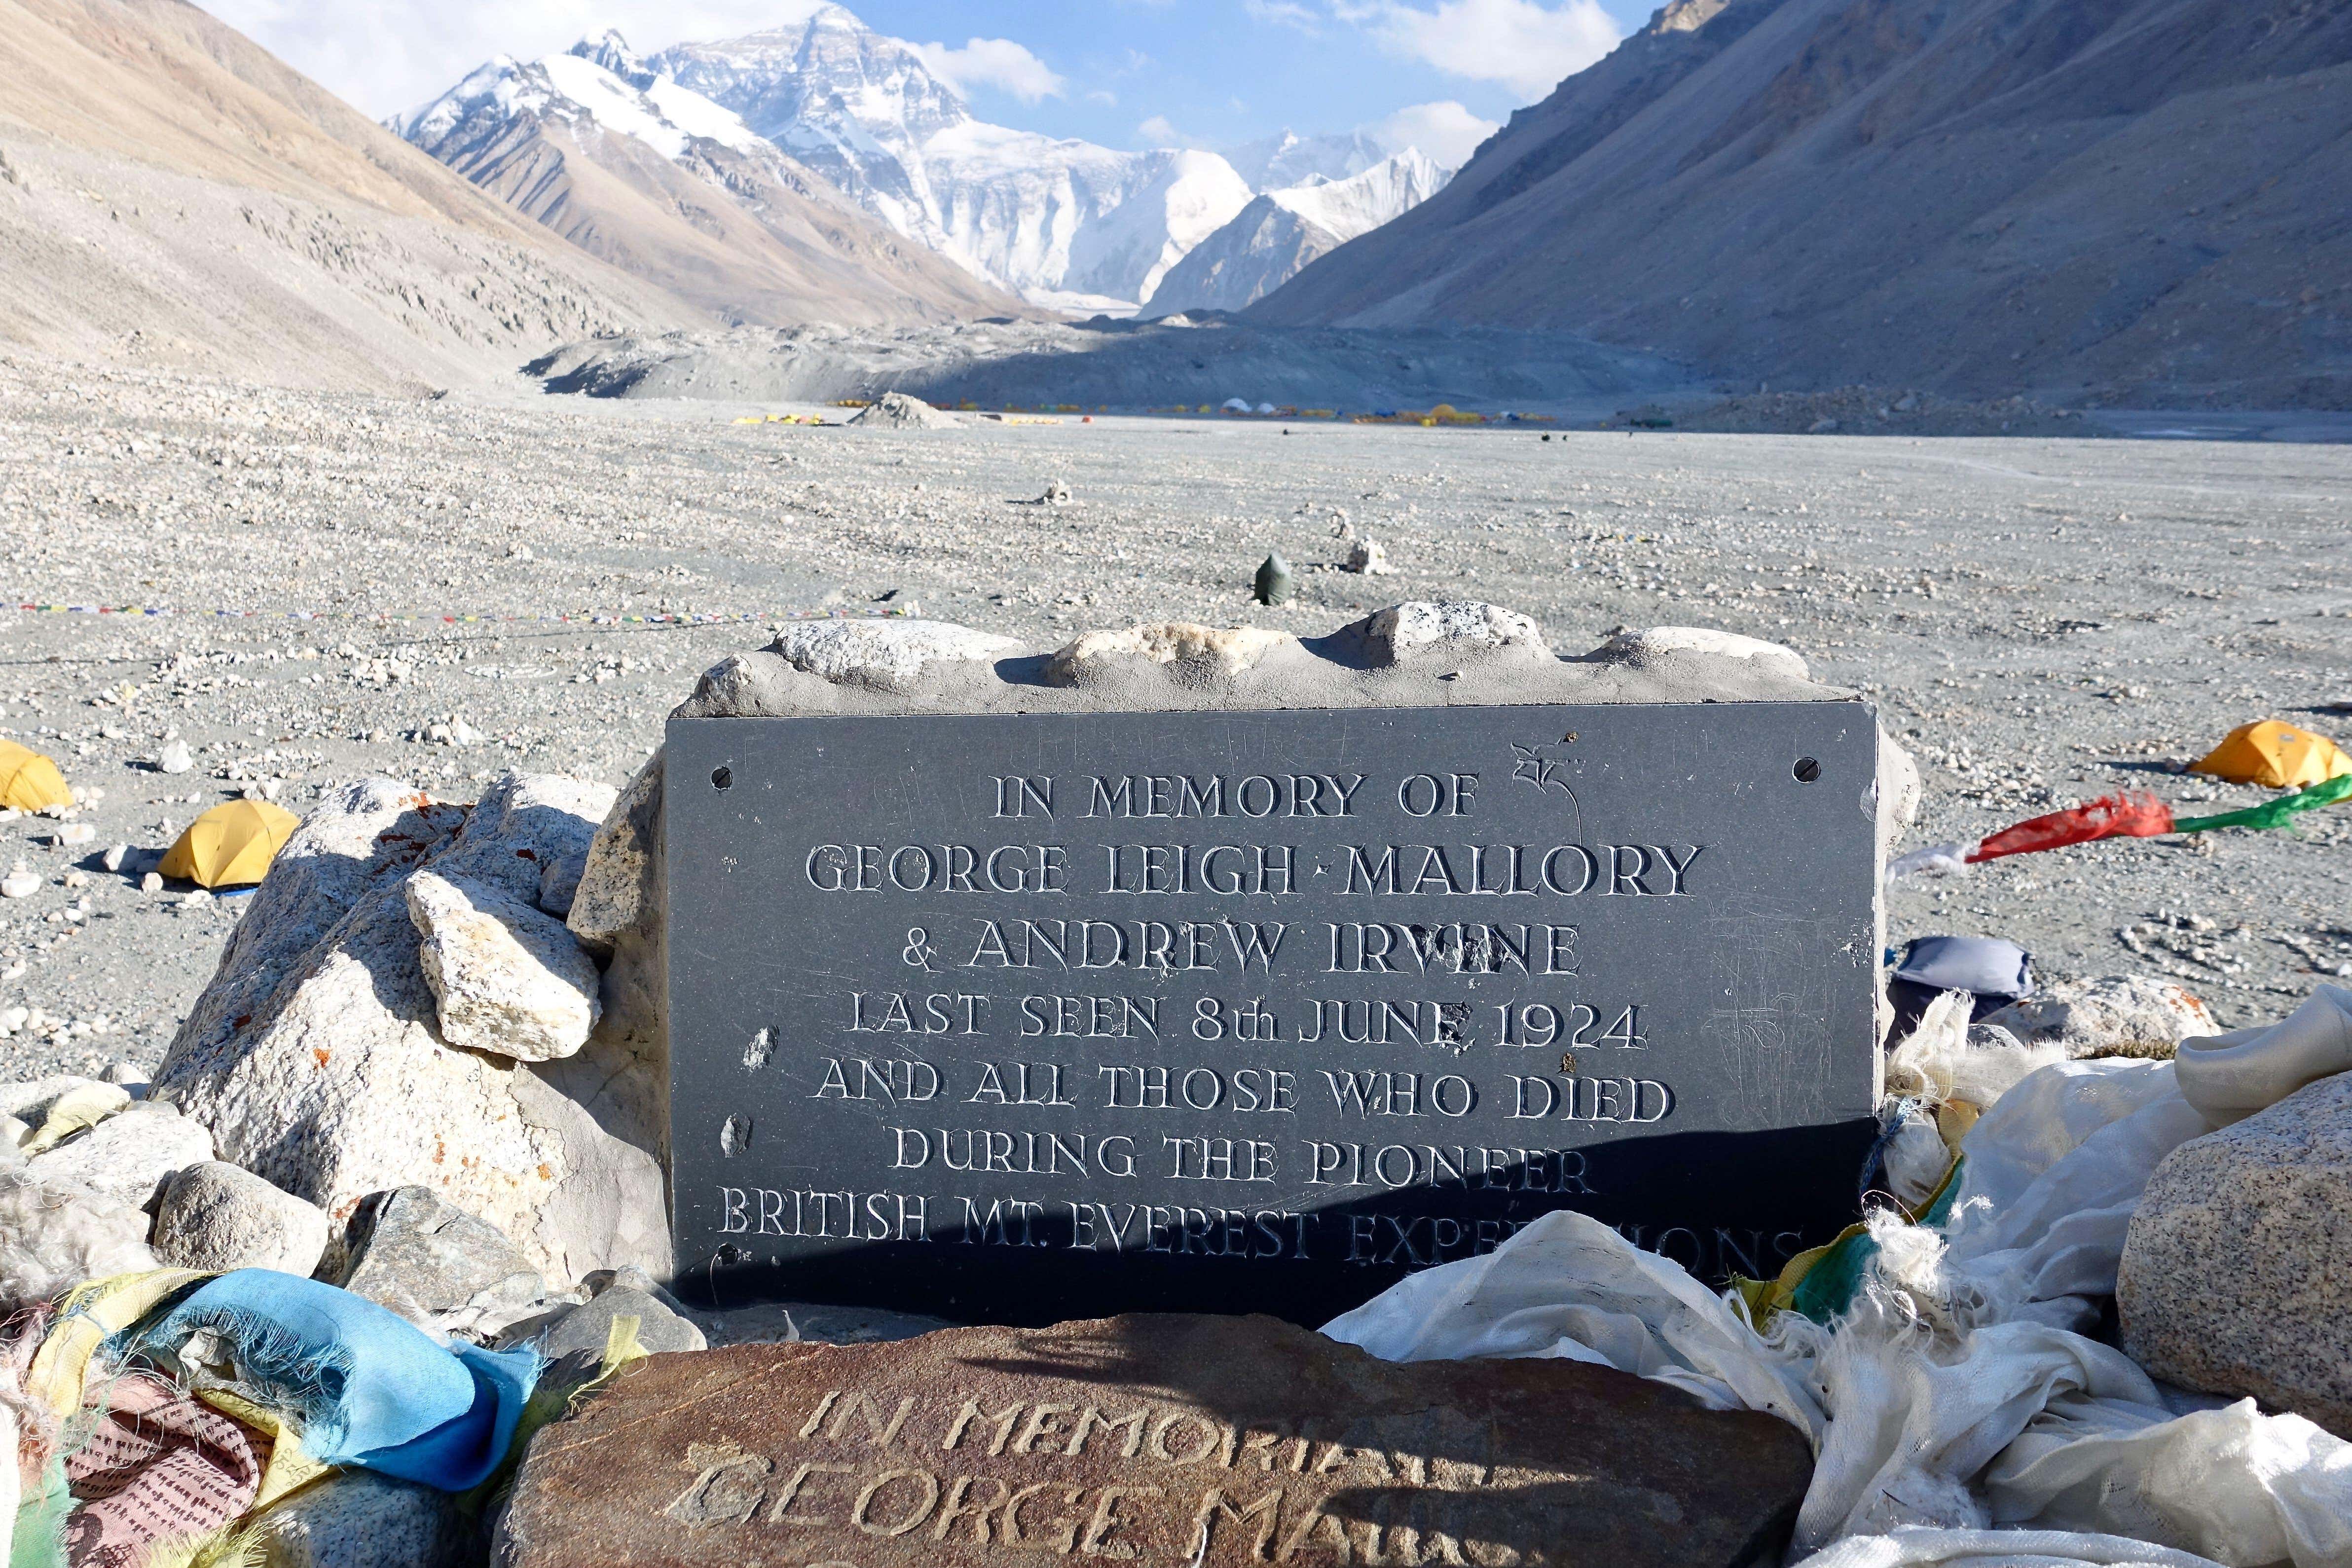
point(1163, 1441)
point(1034, 1015)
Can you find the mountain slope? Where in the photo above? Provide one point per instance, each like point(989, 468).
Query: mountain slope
point(1042, 215)
point(2137, 200)
point(170, 195)
point(1280, 231)
point(664, 185)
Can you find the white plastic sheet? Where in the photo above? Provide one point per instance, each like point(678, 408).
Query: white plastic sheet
point(2052, 1173)
point(1569, 1287)
point(2232, 1076)
point(1921, 1548)
point(1957, 1421)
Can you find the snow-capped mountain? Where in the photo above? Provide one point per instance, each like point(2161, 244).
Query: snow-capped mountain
point(1277, 233)
point(1045, 215)
point(846, 115)
point(662, 182)
point(1280, 162)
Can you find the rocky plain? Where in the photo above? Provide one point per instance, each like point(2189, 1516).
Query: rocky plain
point(303, 588)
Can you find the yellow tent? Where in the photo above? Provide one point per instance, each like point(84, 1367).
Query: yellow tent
point(2276, 754)
point(230, 845)
point(30, 781)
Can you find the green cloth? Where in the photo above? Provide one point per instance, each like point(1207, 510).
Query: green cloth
point(2273, 813)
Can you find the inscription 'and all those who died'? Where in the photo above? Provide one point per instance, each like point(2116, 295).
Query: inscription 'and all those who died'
point(992, 1005)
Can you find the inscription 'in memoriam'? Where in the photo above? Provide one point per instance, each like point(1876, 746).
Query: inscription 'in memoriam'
point(1163, 1441)
point(1033, 1016)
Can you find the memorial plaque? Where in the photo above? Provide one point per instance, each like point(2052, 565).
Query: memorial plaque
point(1165, 1441)
point(1029, 1016)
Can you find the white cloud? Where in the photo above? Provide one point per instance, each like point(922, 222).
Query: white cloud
point(1283, 13)
point(390, 54)
point(1159, 132)
point(999, 63)
point(1103, 95)
point(1445, 130)
point(1519, 43)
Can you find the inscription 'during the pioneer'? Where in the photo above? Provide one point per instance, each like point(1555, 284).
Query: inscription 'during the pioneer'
point(1365, 1017)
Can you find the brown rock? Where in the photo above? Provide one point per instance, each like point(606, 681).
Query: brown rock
point(1158, 1440)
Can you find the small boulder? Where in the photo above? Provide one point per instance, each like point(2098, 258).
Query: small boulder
point(435, 1265)
point(1450, 628)
point(358, 1519)
point(130, 1155)
point(217, 1218)
point(887, 653)
point(897, 411)
point(2114, 1015)
point(1660, 643)
point(2234, 1267)
point(507, 977)
point(626, 1293)
point(1224, 652)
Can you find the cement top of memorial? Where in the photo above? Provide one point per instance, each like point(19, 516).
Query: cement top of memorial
point(1417, 654)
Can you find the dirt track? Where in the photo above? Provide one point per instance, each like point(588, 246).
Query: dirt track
point(2041, 620)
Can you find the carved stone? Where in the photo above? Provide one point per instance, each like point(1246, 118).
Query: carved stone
point(1162, 1442)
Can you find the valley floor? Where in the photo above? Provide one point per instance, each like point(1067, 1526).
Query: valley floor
point(2041, 620)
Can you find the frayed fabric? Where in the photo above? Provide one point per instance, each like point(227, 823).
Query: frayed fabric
point(154, 1468)
point(362, 1385)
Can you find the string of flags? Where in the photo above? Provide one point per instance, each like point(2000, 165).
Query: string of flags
point(584, 617)
point(2269, 752)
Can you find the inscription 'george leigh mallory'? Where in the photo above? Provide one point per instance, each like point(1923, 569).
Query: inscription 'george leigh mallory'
point(1028, 1016)
point(1159, 1441)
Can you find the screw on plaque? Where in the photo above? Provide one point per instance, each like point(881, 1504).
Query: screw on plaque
point(1274, 581)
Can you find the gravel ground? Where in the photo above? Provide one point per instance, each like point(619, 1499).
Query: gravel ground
point(2041, 620)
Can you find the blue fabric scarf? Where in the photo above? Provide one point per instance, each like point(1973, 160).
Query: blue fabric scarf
point(366, 1386)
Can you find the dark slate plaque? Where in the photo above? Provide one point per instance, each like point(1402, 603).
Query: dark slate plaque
point(1026, 1018)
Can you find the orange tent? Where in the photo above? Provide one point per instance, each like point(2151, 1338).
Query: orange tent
point(2277, 753)
point(30, 781)
point(230, 845)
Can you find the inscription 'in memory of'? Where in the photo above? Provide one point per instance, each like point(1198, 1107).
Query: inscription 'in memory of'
point(1359, 1018)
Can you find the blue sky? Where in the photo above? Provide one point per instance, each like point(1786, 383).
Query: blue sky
point(1125, 73)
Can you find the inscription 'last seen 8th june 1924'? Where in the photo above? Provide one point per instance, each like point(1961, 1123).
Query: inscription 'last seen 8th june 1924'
point(1119, 1004)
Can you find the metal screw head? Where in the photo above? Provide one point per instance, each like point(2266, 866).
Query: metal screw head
point(721, 778)
point(1806, 769)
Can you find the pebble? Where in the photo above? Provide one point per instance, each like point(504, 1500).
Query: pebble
point(21, 882)
point(175, 758)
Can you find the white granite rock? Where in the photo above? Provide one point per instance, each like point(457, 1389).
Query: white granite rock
point(314, 1058)
point(358, 1519)
point(623, 1074)
point(2235, 1267)
point(886, 652)
point(1447, 628)
point(1226, 651)
point(2113, 1014)
point(1660, 642)
point(127, 1156)
point(217, 1218)
point(506, 977)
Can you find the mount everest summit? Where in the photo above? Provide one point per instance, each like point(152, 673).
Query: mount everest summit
point(754, 172)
